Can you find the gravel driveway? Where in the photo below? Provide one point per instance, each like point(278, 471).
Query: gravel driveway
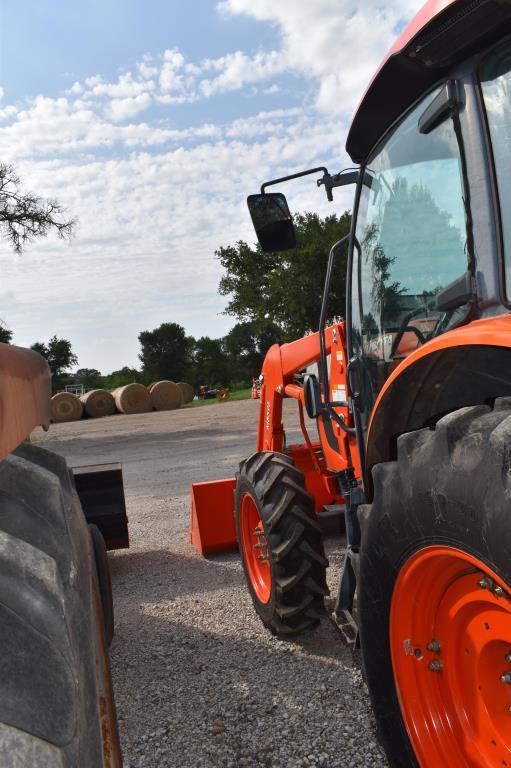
point(198, 681)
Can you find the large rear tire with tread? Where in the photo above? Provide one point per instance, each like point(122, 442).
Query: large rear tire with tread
point(56, 702)
point(104, 581)
point(281, 544)
point(434, 593)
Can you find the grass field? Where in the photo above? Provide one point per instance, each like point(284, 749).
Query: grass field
point(240, 394)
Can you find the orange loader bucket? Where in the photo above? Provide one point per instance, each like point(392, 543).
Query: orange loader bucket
point(212, 526)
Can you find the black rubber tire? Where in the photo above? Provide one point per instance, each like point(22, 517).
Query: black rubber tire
point(53, 660)
point(450, 486)
point(295, 543)
point(104, 581)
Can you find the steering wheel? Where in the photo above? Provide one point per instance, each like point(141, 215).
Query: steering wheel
point(404, 327)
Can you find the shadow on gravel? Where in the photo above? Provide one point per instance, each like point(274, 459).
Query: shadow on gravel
point(159, 574)
point(231, 698)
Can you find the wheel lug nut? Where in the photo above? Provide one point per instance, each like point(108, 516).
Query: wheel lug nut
point(486, 583)
point(437, 666)
point(498, 591)
point(506, 678)
point(434, 646)
point(508, 657)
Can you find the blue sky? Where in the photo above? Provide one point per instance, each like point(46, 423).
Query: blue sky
point(151, 122)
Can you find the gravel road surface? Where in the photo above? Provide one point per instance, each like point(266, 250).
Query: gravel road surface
point(199, 683)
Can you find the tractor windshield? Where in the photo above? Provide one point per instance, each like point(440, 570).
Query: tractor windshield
point(411, 236)
point(496, 87)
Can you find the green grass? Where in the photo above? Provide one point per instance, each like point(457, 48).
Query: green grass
point(240, 394)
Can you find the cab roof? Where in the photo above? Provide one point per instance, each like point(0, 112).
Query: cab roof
point(442, 33)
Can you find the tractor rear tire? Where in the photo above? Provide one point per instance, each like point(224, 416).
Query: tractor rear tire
point(434, 593)
point(56, 701)
point(104, 581)
point(281, 544)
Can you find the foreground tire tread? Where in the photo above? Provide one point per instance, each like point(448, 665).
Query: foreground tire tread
point(51, 647)
point(450, 486)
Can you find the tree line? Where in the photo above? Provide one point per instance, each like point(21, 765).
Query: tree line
point(275, 298)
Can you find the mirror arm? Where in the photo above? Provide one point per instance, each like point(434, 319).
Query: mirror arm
point(294, 176)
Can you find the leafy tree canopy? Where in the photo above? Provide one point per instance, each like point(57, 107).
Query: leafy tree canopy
point(246, 345)
point(5, 333)
point(285, 289)
point(122, 377)
point(24, 216)
point(90, 378)
point(210, 364)
point(59, 356)
point(165, 352)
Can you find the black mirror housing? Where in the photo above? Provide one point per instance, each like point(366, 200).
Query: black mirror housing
point(272, 221)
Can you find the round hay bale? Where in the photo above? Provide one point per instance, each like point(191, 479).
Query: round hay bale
point(166, 396)
point(98, 402)
point(65, 407)
point(150, 386)
point(132, 398)
point(187, 390)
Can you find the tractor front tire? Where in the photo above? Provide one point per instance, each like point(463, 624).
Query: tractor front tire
point(434, 593)
point(281, 544)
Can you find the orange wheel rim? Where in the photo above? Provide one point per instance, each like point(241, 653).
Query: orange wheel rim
point(255, 548)
point(450, 640)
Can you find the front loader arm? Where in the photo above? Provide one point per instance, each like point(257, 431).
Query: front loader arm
point(280, 365)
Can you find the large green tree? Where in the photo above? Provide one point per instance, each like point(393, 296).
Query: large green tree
point(60, 358)
point(285, 289)
point(246, 345)
point(210, 363)
point(165, 353)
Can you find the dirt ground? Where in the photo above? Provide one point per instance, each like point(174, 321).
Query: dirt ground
point(198, 681)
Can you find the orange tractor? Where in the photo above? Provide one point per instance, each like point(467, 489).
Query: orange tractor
point(412, 403)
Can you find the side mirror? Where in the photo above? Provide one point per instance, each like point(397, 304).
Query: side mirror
point(272, 221)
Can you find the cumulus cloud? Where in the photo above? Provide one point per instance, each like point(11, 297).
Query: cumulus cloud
point(122, 109)
point(337, 42)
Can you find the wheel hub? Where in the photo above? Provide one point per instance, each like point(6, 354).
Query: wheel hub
point(255, 548)
point(450, 638)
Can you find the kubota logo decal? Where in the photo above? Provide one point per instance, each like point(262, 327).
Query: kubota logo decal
point(267, 419)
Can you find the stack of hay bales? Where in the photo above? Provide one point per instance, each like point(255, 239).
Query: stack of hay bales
point(165, 396)
point(97, 403)
point(132, 398)
point(65, 407)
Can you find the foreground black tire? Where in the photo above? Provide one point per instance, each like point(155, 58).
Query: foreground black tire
point(280, 543)
point(56, 702)
point(434, 593)
point(104, 581)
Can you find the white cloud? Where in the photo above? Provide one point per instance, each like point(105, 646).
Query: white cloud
point(337, 42)
point(122, 109)
point(237, 69)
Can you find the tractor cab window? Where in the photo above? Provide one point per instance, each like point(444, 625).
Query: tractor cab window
point(411, 239)
point(496, 87)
